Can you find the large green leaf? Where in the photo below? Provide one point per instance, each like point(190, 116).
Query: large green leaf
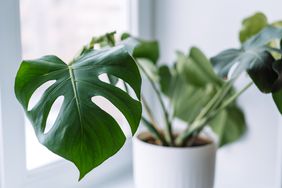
point(82, 133)
point(194, 84)
point(189, 101)
point(229, 125)
point(257, 62)
point(196, 69)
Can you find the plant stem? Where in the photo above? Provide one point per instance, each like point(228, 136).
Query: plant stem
point(155, 133)
point(151, 125)
point(211, 105)
point(180, 140)
point(194, 137)
point(168, 128)
point(230, 100)
point(215, 100)
point(150, 114)
point(200, 122)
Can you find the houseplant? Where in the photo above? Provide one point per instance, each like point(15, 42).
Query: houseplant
point(87, 136)
point(259, 56)
point(197, 96)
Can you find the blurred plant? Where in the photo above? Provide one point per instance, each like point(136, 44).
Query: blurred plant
point(259, 55)
point(196, 95)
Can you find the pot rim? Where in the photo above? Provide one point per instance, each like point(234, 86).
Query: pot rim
point(211, 144)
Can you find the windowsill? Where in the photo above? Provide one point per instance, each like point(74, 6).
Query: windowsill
point(125, 180)
point(117, 173)
point(122, 179)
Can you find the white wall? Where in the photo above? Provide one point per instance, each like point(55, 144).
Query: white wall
point(213, 26)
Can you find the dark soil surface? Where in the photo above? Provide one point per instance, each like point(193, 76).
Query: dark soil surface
point(199, 141)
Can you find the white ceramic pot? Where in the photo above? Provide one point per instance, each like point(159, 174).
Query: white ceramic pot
point(167, 167)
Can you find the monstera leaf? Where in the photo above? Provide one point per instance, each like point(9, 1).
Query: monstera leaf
point(254, 54)
point(254, 57)
point(83, 133)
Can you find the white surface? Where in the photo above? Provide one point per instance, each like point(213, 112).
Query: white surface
point(166, 167)
point(12, 152)
point(213, 26)
point(63, 174)
point(122, 179)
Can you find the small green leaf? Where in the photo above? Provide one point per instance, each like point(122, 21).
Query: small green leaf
point(144, 49)
point(252, 25)
point(165, 79)
point(125, 36)
point(148, 50)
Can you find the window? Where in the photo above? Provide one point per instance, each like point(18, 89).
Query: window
point(47, 28)
point(61, 29)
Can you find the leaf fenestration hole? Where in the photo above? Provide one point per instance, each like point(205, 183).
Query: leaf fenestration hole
point(120, 84)
point(113, 111)
point(53, 114)
point(232, 70)
point(36, 96)
point(123, 85)
point(104, 78)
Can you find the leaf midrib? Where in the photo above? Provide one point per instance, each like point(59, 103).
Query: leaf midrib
point(74, 87)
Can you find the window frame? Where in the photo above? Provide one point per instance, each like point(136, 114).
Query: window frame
point(13, 171)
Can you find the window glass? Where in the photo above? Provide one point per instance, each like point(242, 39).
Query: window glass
point(61, 27)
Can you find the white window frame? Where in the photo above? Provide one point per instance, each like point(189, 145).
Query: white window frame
point(13, 171)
